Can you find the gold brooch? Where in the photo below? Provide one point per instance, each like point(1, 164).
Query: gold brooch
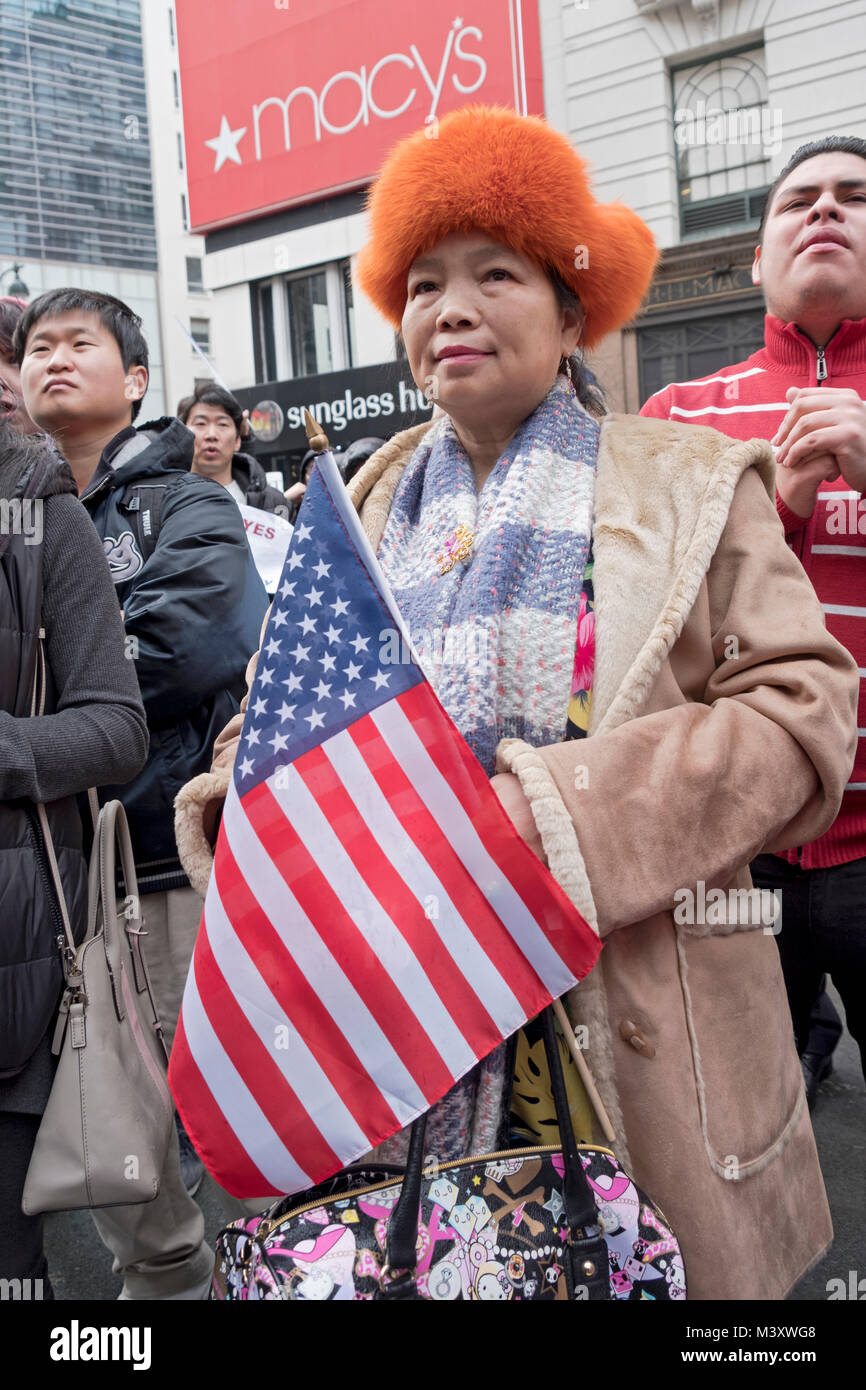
point(457, 547)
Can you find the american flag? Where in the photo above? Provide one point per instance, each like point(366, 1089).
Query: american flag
point(374, 926)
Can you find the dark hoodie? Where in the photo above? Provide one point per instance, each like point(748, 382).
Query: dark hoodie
point(192, 611)
point(249, 475)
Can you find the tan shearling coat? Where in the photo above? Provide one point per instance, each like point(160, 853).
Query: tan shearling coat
point(723, 724)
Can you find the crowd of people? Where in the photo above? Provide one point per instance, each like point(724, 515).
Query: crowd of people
point(652, 591)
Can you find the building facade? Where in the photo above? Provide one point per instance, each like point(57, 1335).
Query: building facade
point(687, 110)
point(184, 303)
point(287, 121)
point(76, 206)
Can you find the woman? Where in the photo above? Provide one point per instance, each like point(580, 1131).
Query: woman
point(55, 594)
point(625, 579)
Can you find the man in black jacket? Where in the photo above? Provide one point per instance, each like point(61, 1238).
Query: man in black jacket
point(192, 605)
point(216, 420)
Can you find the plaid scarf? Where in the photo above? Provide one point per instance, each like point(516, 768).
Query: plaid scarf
point(496, 633)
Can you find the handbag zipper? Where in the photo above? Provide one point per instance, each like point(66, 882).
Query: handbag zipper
point(427, 1172)
point(46, 877)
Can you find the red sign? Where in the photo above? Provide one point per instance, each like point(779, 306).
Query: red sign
point(286, 101)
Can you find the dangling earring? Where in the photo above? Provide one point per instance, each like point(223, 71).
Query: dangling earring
point(567, 361)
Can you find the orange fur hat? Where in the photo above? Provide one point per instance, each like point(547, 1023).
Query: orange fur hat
point(488, 169)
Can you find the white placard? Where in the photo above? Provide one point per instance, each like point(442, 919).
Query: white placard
point(269, 537)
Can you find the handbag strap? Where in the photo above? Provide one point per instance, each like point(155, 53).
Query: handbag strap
point(586, 1249)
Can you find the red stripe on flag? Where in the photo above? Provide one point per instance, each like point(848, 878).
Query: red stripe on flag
point(573, 940)
point(461, 887)
point(266, 1083)
point(401, 905)
point(346, 943)
point(299, 1000)
point(215, 1141)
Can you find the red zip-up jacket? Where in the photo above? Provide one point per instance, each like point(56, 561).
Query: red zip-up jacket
point(747, 401)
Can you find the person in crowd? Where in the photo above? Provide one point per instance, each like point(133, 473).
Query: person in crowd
point(192, 606)
point(55, 594)
point(216, 420)
point(295, 493)
point(12, 407)
point(638, 757)
point(356, 456)
point(805, 391)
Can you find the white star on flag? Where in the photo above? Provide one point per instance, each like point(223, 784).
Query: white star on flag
point(313, 596)
point(380, 679)
point(303, 532)
point(340, 608)
point(279, 742)
point(314, 719)
point(353, 671)
point(323, 691)
point(308, 625)
point(225, 145)
point(359, 643)
point(321, 570)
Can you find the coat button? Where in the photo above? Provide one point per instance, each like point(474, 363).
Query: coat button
point(628, 1032)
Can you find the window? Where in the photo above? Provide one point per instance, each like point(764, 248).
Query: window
point(304, 324)
point(183, 213)
point(179, 150)
point(269, 347)
point(176, 85)
point(194, 280)
point(725, 134)
point(200, 331)
point(351, 330)
point(309, 330)
point(171, 34)
point(696, 347)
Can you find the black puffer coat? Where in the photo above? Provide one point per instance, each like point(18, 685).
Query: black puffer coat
point(249, 475)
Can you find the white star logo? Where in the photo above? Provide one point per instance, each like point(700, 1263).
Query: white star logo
point(314, 596)
point(353, 671)
point(315, 720)
point(303, 532)
point(308, 625)
point(246, 767)
point(380, 679)
point(323, 691)
point(333, 634)
point(321, 570)
point(286, 712)
point(295, 562)
point(278, 742)
point(259, 707)
point(360, 644)
point(300, 653)
point(348, 698)
point(225, 145)
point(340, 608)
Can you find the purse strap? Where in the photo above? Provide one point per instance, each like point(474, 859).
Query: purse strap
point(585, 1253)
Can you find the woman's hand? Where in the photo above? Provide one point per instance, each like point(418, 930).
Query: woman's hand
point(516, 805)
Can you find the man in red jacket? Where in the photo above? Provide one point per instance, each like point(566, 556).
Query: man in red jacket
point(805, 391)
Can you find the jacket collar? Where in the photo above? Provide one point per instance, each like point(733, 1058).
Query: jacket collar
point(157, 447)
point(663, 494)
point(788, 349)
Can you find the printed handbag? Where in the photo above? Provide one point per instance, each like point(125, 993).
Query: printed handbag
point(534, 1223)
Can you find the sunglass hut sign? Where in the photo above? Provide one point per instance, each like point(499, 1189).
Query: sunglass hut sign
point(286, 101)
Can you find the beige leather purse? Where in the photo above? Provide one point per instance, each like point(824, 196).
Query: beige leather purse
point(110, 1117)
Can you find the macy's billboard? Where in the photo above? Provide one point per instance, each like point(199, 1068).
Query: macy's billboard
point(286, 101)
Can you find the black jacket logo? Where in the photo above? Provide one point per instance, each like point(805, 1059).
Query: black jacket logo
point(123, 555)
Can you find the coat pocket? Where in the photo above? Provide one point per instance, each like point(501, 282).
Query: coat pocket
point(747, 1074)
